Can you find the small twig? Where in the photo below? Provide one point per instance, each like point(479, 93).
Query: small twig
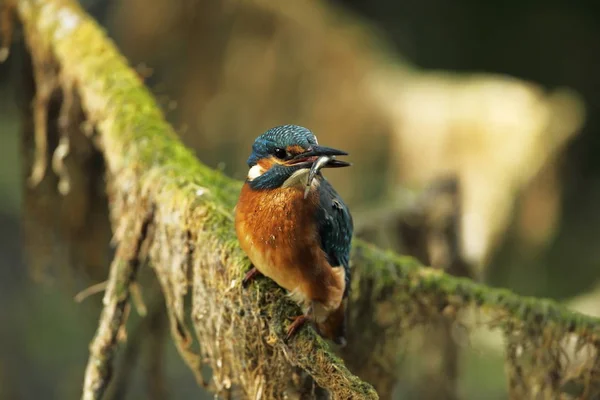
point(46, 82)
point(147, 340)
point(62, 151)
point(122, 273)
point(89, 291)
point(127, 365)
point(136, 295)
point(122, 332)
point(138, 299)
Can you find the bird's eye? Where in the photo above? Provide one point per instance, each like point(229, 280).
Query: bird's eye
point(280, 153)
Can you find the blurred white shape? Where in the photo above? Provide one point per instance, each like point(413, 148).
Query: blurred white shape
point(495, 133)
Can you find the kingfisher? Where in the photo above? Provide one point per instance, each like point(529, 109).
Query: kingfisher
point(295, 228)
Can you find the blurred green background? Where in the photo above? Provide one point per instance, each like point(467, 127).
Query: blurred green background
point(414, 90)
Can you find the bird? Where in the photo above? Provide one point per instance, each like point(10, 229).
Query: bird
point(296, 229)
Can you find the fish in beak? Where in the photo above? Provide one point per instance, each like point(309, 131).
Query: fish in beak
point(321, 157)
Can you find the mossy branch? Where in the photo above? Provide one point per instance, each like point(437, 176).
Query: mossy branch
point(123, 273)
point(191, 245)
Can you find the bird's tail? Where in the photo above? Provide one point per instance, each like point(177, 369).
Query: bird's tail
point(334, 327)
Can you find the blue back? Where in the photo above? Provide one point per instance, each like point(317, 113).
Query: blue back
point(335, 228)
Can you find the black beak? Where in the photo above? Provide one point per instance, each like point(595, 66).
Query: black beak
point(336, 164)
point(323, 151)
point(319, 151)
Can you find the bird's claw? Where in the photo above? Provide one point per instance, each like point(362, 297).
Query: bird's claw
point(298, 323)
point(249, 277)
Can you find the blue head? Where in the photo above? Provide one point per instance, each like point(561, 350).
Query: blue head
point(282, 151)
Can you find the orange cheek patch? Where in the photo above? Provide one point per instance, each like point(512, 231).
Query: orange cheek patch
point(265, 163)
point(295, 149)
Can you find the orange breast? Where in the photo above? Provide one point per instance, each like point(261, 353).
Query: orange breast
point(278, 232)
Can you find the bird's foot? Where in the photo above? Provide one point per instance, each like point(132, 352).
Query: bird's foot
point(298, 323)
point(250, 275)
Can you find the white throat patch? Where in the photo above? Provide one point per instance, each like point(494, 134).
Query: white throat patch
point(297, 179)
point(255, 172)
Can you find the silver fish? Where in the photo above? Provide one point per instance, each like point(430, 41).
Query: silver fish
point(314, 170)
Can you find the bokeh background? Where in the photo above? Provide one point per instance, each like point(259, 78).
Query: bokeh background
point(499, 97)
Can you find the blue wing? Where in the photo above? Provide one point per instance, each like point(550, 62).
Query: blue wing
point(335, 228)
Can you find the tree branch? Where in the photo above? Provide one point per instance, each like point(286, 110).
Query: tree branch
point(192, 247)
point(123, 272)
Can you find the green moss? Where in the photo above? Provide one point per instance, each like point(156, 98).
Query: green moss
point(418, 280)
